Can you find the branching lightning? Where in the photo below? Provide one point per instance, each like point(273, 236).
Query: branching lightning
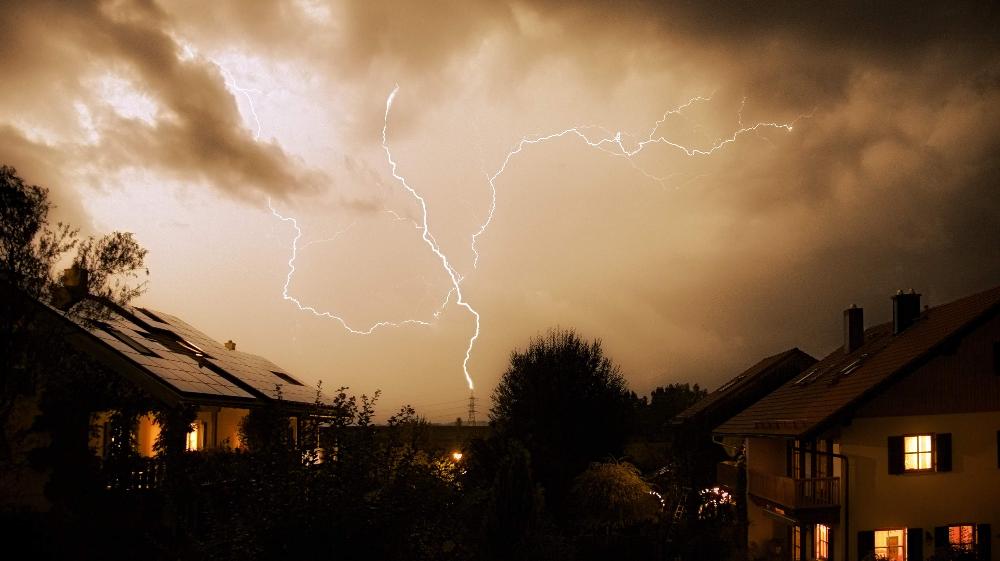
point(456, 279)
point(291, 272)
point(613, 144)
point(231, 83)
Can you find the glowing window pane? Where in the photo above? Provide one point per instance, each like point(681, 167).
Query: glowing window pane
point(918, 452)
point(796, 544)
point(193, 442)
point(925, 460)
point(962, 537)
point(822, 542)
point(891, 544)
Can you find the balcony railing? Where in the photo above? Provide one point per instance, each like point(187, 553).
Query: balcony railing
point(137, 474)
point(817, 492)
point(728, 475)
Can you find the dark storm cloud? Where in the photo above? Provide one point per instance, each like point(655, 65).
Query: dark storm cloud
point(33, 164)
point(197, 133)
point(888, 181)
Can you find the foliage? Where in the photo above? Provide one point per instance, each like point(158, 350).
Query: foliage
point(665, 402)
point(955, 553)
point(372, 494)
point(30, 249)
point(567, 403)
point(503, 504)
point(612, 495)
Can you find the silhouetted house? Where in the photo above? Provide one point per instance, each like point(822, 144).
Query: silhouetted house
point(170, 363)
point(887, 448)
point(179, 365)
point(744, 389)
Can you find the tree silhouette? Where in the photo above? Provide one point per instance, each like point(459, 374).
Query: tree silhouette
point(567, 403)
point(34, 356)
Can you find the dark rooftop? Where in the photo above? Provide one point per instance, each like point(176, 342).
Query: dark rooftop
point(747, 387)
point(839, 382)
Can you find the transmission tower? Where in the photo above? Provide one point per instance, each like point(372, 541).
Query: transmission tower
point(472, 409)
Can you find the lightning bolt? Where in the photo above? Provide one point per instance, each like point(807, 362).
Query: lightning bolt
point(291, 272)
point(612, 143)
point(456, 278)
point(231, 84)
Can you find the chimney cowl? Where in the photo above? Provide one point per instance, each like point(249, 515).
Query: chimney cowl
point(905, 310)
point(854, 328)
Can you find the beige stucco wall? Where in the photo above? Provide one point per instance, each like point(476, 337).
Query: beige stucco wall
point(767, 455)
point(228, 429)
point(148, 432)
point(970, 493)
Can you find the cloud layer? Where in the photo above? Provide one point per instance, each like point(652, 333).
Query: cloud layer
point(888, 180)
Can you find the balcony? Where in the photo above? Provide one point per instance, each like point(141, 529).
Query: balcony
point(727, 474)
point(819, 492)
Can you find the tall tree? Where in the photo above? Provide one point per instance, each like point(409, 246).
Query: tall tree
point(567, 403)
point(32, 354)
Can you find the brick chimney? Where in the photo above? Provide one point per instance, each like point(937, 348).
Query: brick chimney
point(854, 328)
point(905, 310)
point(230, 345)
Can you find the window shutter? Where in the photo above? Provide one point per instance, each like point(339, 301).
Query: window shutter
point(915, 543)
point(943, 445)
point(895, 455)
point(983, 538)
point(941, 544)
point(866, 545)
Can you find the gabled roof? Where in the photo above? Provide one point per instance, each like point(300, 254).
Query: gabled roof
point(254, 374)
point(172, 360)
point(839, 383)
point(746, 388)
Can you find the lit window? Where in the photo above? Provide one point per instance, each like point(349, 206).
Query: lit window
point(822, 542)
point(796, 543)
point(194, 441)
point(890, 544)
point(962, 537)
point(918, 452)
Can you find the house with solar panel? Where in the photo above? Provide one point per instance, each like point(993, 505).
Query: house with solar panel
point(887, 448)
point(178, 364)
point(171, 366)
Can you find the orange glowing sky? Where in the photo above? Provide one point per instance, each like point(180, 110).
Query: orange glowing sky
point(178, 121)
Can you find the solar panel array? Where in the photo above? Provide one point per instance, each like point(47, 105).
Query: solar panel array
point(194, 363)
point(175, 369)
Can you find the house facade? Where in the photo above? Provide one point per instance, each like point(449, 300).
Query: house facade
point(179, 365)
point(167, 366)
point(887, 448)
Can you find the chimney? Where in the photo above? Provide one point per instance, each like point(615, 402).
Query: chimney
point(905, 310)
point(75, 284)
point(231, 345)
point(854, 328)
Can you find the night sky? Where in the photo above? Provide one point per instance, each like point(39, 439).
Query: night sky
point(864, 158)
